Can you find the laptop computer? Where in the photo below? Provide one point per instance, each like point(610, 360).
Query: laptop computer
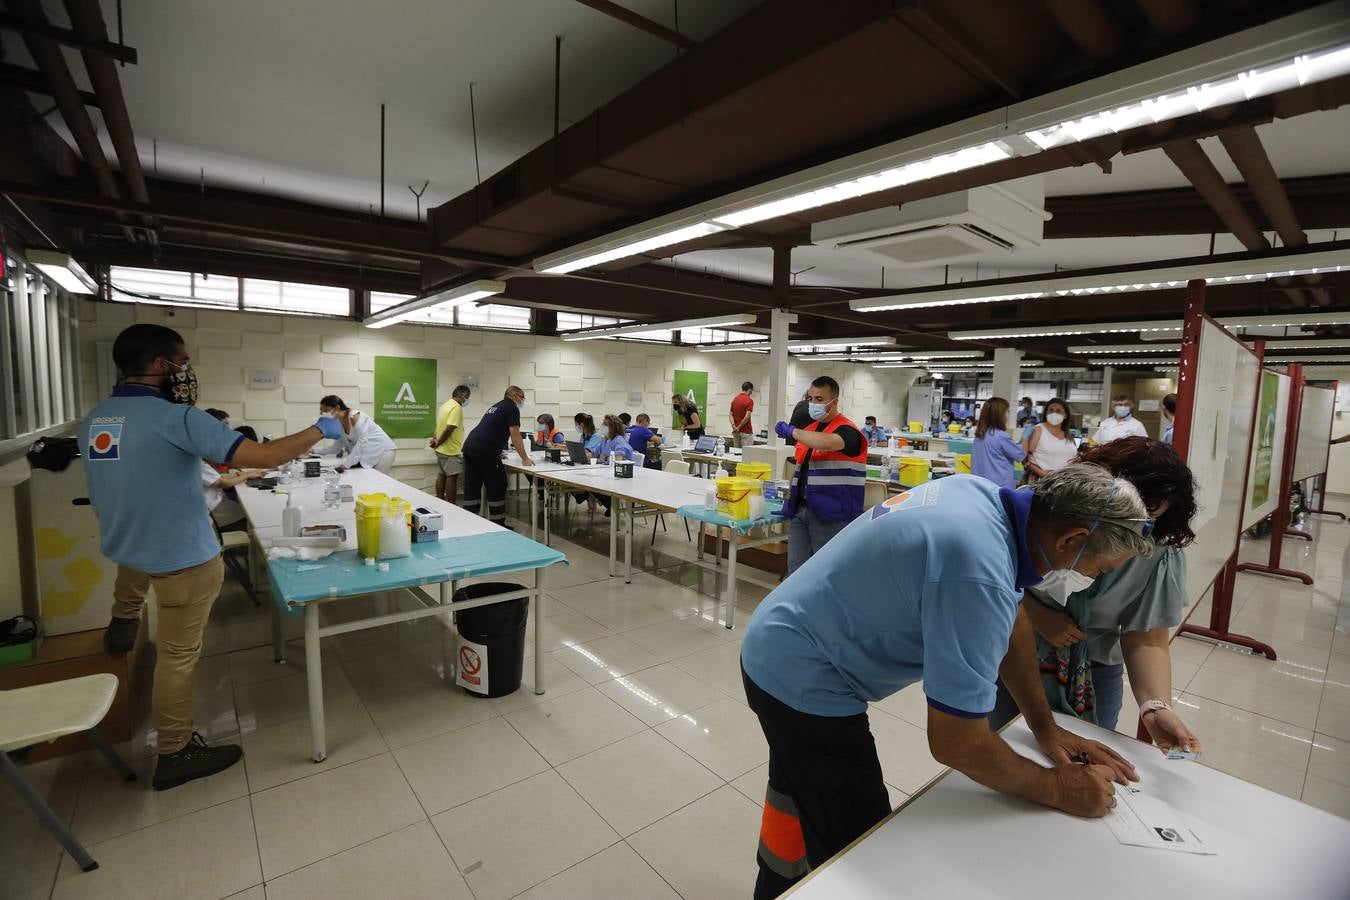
point(577, 451)
point(705, 444)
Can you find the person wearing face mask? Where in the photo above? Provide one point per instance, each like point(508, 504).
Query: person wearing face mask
point(742, 405)
point(926, 587)
point(995, 452)
point(827, 489)
point(1088, 639)
point(143, 450)
point(687, 412)
point(448, 442)
point(1169, 411)
point(874, 433)
point(945, 421)
point(1050, 445)
point(363, 445)
point(483, 454)
point(546, 433)
point(1121, 424)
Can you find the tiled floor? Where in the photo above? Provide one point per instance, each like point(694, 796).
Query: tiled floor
point(639, 774)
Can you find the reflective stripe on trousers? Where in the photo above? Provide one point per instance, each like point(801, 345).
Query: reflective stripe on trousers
point(782, 847)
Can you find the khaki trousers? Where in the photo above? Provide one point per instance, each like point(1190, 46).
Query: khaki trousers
point(742, 439)
point(184, 600)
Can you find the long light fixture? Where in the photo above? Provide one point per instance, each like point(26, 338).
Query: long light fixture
point(446, 299)
point(1088, 349)
point(737, 347)
point(981, 365)
point(1232, 268)
point(1274, 346)
point(825, 343)
point(63, 269)
point(1277, 320)
point(1304, 358)
point(944, 354)
point(592, 334)
point(1306, 47)
point(1116, 361)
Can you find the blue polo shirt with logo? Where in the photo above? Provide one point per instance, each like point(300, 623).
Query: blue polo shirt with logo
point(922, 587)
point(142, 460)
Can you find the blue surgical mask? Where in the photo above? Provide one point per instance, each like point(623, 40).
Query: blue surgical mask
point(520, 405)
point(817, 410)
point(1122, 412)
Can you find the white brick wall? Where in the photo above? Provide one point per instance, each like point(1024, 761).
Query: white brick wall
point(322, 356)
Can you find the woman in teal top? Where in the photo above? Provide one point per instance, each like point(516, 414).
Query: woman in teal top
point(1123, 622)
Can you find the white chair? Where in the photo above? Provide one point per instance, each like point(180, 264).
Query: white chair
point(43, 713)
point(679, 467)
point(873, 493)
point(669, 456)
point(234, 550)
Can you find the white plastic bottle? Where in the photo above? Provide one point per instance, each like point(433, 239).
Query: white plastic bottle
point(710, 495)
point(292, 518)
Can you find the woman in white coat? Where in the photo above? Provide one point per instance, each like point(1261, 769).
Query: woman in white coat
point(363, 443)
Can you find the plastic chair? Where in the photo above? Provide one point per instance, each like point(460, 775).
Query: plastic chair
point(234, 550)
point(43, 713)
point(873, 493)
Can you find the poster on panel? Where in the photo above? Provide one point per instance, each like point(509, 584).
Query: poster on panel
point(693, 386)
point(405, 396)
point(1267, 459)
point(1314, 432)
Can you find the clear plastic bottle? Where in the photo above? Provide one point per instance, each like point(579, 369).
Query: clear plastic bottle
point(710, 495)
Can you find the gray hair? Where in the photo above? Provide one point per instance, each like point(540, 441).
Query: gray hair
point(1088, 496)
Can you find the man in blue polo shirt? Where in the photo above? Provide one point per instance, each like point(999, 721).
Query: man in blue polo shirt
point(143, 449)
point(926, 587)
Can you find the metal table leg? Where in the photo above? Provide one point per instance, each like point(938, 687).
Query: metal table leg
point(613, 540)
point(732, 543)
point(278, 636)
point(534, 508)
point(628, 541)
point(314, 677)
point(717, 550)
point(538, 631)
point(547, 517)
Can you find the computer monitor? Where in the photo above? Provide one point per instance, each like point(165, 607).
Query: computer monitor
point(577, 451)
point(705, 444)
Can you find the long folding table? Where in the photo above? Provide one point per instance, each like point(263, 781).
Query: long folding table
point(469, 547)
point(956, 838)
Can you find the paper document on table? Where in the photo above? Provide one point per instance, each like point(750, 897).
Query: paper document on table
point(1143, 821)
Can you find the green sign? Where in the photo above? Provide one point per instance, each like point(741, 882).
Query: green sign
point(405, 396)
point(1265, 437)
point(693, 386)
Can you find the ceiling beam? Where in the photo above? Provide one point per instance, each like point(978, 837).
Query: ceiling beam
point(31, 80)
point(955, 43)
point(1089, 25)
point(641, 23)
point(31, 28)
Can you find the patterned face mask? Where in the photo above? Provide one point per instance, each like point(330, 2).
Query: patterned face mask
point(181, 386)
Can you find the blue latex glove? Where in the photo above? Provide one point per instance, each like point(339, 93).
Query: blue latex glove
point(783, 430)
point(331, 428)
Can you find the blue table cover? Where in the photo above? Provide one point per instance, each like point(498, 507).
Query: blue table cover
point(296, 582)
point(773, 515)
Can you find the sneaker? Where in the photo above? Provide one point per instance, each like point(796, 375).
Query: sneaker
point(195, 760)
point(120, 637)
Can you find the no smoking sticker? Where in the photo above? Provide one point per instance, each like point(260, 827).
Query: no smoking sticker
point(471, 673)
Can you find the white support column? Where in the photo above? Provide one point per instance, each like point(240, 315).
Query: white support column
point(1107, 390)
point(1008, 378)
point(779, 320)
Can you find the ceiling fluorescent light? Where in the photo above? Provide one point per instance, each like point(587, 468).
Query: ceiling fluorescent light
point(621, 246)
point(1089, 349)
point(897, 366)
point(1306, 47)
point(744, 347)
point(1233, 268)
point(591, 334)
point(1113, 361)
point(1286, 320)
point(1304, 358)
point(62, 269)
point(446, 299)
point(828, 343)
point(1030, 331)
point(981, 365)
point(1275, 346)
point(943, 354)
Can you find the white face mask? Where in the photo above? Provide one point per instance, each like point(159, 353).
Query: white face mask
point(1059, 584)
point(1122, 412)
point(1055, 419)
point(327, 415)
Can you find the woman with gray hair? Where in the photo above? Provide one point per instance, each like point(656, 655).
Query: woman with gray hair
point(927, 586)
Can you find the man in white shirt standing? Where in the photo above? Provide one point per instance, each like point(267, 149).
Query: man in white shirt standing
point(1122, 424)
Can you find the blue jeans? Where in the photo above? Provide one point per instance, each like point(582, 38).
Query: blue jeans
point(1108, 686)
point(807, 533)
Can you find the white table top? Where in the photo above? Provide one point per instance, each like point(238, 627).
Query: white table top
point(958, 839)
point(263, 508)
point(665, 491)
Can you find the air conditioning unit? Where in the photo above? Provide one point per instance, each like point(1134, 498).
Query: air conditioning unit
point(992, 219)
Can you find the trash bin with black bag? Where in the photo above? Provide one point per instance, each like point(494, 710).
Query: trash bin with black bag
point(490, 656)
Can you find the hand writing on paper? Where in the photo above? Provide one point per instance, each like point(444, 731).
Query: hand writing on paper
point(1064, 747)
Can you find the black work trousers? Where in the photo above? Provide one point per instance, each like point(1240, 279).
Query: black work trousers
point(825, 789)
point(485, 472)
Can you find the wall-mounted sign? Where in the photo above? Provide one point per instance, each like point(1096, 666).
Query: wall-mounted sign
point(263, 379)
point(635, 398)
point(405, 396)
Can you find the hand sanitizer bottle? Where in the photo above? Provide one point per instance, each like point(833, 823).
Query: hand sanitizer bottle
point(292, 518)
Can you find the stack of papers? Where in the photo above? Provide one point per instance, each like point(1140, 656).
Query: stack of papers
point(1139, 820)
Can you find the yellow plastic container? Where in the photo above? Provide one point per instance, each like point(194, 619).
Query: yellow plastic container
point(962, 463)
point(369, 512)
point(953, 428)
point(733, 495)
point(913, 471)
point(757, 470)
point(916, 428)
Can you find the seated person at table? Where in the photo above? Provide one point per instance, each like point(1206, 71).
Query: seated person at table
point(219, 482)
point(643, 440)
point(875, 434)
point(626, 419)
point(994, 452)
point(363, 445)
point(1088, 641)
point(613, 445)
point(546, 434)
